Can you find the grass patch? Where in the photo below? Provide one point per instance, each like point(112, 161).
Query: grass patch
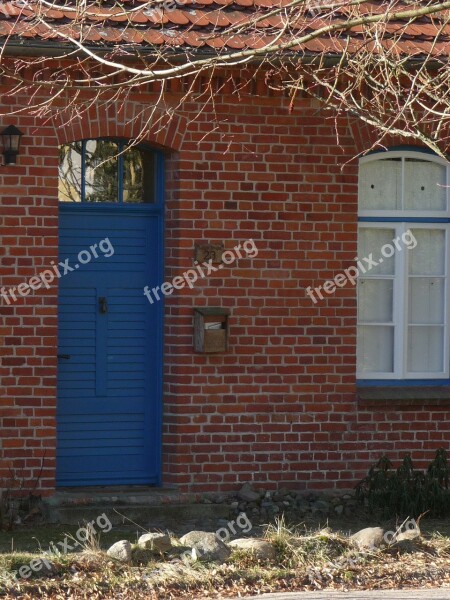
point(297, 548)
point(36, 539)
point(306, 559)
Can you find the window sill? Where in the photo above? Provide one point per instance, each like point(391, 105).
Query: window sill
point(407, 395)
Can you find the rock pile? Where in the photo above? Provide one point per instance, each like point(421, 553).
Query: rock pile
point(258, 503)
point(204, 546)
point(207, 546)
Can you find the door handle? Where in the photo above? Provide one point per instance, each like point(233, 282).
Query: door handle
point(65, 356)
point(103, 305)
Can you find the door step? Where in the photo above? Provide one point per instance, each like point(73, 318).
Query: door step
point(148, 507)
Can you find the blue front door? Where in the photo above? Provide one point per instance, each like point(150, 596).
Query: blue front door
point(110, 348)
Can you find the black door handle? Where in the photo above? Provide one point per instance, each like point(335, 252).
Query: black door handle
point(103, 305)
point(65, 356)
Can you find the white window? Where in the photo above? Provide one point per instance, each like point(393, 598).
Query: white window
point(403, 295)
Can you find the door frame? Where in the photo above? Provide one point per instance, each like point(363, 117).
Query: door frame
point(137, 210)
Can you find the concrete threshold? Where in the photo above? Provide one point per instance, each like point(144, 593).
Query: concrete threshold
point(164, 508)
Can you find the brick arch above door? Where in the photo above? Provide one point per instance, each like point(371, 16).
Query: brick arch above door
point(162, 130)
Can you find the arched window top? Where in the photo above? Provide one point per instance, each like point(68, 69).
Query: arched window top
point(107, 171)
point(403, 183)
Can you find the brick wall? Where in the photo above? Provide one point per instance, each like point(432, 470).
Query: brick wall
point(280, 406)
point(28, 327)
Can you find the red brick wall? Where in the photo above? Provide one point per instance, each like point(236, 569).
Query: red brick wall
point(280, 405)
point(28, 327)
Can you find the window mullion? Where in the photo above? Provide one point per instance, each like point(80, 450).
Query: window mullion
point(400, 310)
point(446, 305)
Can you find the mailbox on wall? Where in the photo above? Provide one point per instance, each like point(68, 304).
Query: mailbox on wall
point(211, 329)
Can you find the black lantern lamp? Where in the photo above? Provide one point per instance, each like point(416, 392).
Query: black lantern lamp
point(11, 143)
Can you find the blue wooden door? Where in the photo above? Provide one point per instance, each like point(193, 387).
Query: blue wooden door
point(110, 350)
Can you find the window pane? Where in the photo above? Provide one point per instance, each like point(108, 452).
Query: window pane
point(428, 257)
point(101, 171)
point(371, 240)
point(375, 349)
point(138, 176)
point(380, 184)
point(426, 300)
point(425, 349)
point(424, 185)
point(375, 300)
point(69, 185)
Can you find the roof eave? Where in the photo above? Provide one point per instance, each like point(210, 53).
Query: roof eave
point(34, 49)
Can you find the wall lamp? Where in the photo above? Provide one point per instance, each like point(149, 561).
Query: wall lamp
point(11, 137)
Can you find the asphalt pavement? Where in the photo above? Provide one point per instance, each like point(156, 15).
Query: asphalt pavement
point(411, 594)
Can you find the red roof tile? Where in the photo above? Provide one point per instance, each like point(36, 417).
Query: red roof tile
point(178, 17)
point(198, 18)
point(204, 23)
point(153, 36)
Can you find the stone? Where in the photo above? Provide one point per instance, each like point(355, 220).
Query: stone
point(234, 504)
point(160, 542)
point(368, 538)
point(320, 506)
point(219, 499)
point(302, 503)
point(339, 509)
point(280, 494)
point(206, 546)
point(259, 548)
point(247, 493)
point(410, 534)
point(120, 551)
